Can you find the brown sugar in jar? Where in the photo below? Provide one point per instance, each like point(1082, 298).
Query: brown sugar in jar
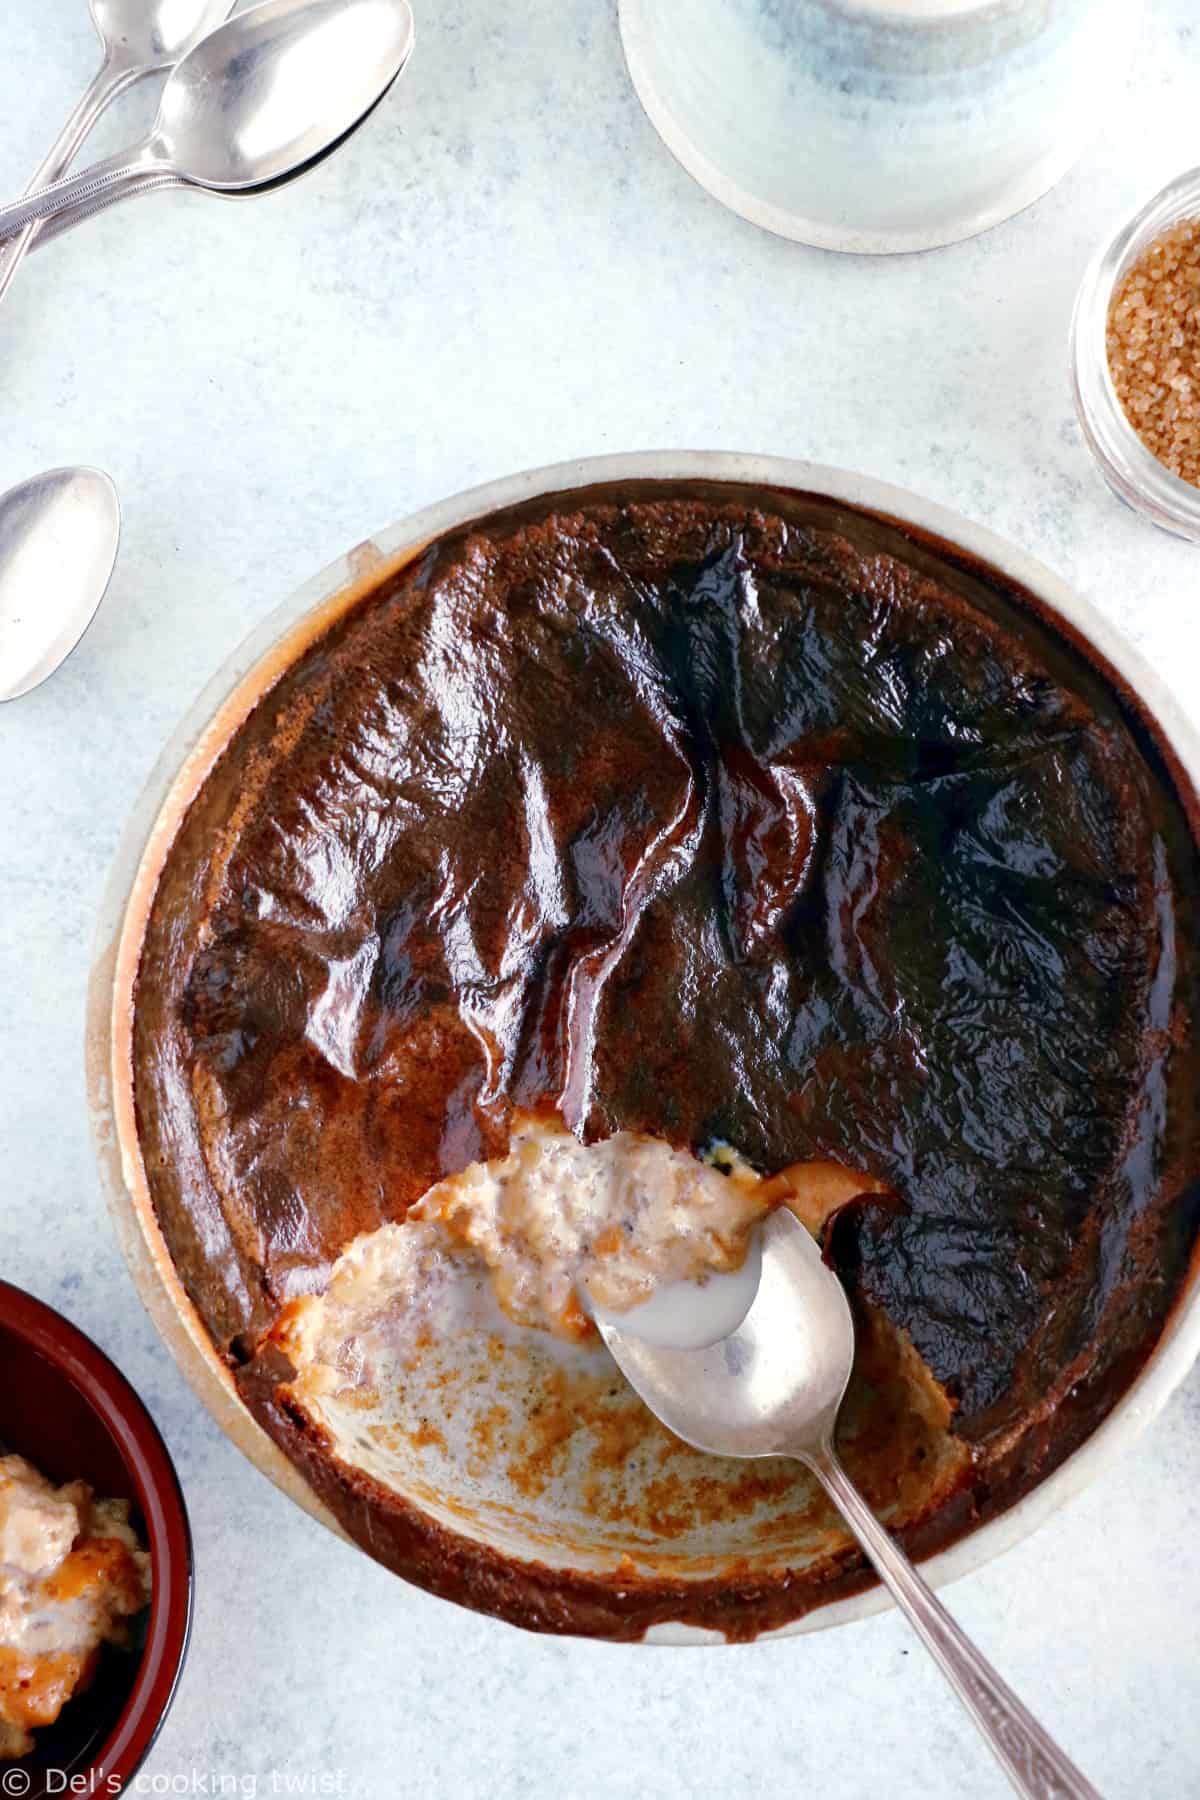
point(1153, 342)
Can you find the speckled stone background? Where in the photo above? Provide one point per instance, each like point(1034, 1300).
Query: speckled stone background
point(503, 269)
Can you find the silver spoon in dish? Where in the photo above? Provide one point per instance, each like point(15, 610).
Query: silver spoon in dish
point(255, 103)
point(139, 38)
point(774, 1387)
point(59, 534)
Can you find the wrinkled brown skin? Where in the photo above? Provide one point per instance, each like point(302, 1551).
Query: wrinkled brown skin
point(715, 815)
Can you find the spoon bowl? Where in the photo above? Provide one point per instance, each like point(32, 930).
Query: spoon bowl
point(774, 1384)
point(265, 94)
point(59, 534)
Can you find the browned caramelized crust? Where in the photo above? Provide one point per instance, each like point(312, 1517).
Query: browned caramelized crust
point(717, 816)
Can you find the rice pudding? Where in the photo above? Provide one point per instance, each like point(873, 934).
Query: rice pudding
point(73, 1578)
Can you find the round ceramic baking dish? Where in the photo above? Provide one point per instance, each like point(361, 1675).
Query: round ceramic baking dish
point(228, 700)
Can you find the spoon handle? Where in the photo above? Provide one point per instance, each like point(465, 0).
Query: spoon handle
point(1031, 1759)
point(67, 220)
point(112, 178)
point(111, 79)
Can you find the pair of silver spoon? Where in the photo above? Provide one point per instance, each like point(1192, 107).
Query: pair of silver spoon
point(249, 104)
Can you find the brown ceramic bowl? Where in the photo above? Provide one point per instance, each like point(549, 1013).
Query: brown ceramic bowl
point(73, 1414)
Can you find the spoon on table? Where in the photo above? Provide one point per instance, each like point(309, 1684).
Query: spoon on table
point(774, 1387)
point(58, 545)
point(139, 37)
point(256, 102)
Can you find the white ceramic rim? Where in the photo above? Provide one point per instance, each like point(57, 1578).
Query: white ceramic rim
point(185, 761)
point(1037, 181)
point(1133, 472)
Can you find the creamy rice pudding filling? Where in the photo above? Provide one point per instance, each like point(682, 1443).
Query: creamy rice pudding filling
point(559, 1227)
point(73, 1577)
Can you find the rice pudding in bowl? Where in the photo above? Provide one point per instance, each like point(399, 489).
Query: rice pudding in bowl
point(712, 814)
point(74, 1578)
point(95, 1545)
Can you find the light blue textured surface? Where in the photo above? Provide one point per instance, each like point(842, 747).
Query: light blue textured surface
point(504, 269)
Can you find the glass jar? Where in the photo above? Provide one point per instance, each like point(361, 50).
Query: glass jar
point(1133, 472)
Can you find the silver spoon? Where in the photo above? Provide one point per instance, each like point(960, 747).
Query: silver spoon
point(258, 100)
point(58, 545)
point(139, 37)
point(774, 1387)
